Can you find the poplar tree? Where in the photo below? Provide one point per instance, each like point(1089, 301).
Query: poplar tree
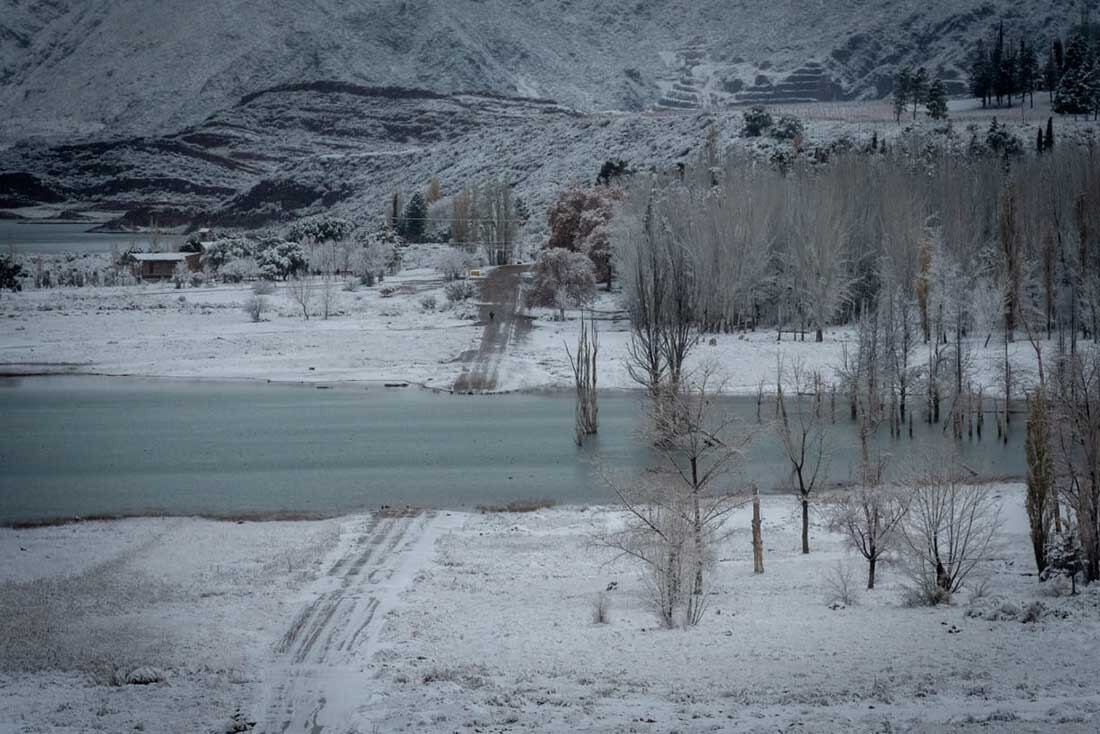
point(903, 83)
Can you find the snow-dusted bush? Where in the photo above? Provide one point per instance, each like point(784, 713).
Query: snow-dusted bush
point(428, 303)
point(255, 307)
point(459, 290)
point(757, 121)
point(840, 584)
point(787, 127)
point(452, 264)
point(263, 287)
point(240, 269)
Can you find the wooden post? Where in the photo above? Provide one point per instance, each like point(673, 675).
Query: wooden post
point(757, 536)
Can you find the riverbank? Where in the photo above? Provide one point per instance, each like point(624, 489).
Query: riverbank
point(402, 330)
point(486, 624)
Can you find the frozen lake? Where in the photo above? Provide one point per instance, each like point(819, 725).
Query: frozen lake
point(49, 238)
point(74, 446)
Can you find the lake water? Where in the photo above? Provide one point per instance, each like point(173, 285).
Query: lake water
point(51, 238)
point(76, 446)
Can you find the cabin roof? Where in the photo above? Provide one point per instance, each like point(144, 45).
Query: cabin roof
point(161, 256)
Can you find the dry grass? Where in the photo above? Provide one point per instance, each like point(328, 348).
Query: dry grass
point(518, 506)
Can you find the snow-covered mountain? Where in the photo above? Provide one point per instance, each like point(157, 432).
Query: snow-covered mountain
point(110, 67)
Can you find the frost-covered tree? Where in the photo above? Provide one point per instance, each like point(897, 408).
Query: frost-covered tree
point(561, 279)
point(10, 274)
point(279, 259)
point(414, 219)
point(676, 510)
point(949, 529)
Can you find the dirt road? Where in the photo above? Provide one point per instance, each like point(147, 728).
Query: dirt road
point(321, 680)
point(500, 298)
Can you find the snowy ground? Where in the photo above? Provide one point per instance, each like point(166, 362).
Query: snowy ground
point(483, 623)
point(497, 635)
point(196, 600)
point(158, 331)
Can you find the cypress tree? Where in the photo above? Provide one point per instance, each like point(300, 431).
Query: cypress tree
point(1040, 477)
point(1048, 140)
point(1039, 141)
point(413, 222)
point(997, 65)
point(1027, 71)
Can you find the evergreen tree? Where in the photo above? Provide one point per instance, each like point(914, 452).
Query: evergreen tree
point(1027, 71)
point(1050, 73)
point(1076, 88)
point(980, 77)
point(918, 89)
point(903, 82)
point(414, 220)
point(937, 100)
point(1048, 139)
point(997, 65)
point(1039, 141)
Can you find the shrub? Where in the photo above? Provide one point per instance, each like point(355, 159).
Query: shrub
point(263, 287)
point(787, 127)
point(840, 583)
point(367, 279)
point(757, 121)
point(452, 264)
point(255, 307)
point(198, 279)
point(428, 303)
point(459, 290)
point(350, 286)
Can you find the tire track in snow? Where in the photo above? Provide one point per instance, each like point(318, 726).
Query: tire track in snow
point(320, 679)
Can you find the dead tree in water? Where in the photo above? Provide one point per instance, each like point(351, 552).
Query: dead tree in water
point(584, 374)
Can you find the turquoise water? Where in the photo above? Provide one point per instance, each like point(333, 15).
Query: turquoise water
point(42, 238)
point(77, 446)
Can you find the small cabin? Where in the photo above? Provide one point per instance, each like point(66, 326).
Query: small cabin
point(161, 265)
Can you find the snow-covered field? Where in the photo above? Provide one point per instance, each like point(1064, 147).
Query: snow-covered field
point(485, 625)
point(158, 331)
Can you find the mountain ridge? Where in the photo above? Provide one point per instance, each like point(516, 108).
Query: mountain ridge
point(106, 67)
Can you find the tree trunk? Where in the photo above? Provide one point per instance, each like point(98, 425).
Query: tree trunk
point(871, 571)
point(805, 525)
point(757, 534)
point(820, 336)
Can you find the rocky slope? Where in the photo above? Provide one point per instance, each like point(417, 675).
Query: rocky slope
point(109, 67)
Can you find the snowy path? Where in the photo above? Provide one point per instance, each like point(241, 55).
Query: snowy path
point(504, 325)
point(321, 680)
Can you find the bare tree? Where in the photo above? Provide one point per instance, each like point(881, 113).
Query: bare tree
point(803, 435)
point(948, 531)
point(299, 289)
point(677, 509)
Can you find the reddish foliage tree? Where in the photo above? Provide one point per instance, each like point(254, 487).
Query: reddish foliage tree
point(580, 222)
